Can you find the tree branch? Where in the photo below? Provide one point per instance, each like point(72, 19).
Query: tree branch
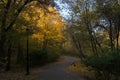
point(2, 2)
point(16, 15)
point(4, 17)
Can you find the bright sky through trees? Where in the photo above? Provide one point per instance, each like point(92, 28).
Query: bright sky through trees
point(34, 33)
point(63, 9)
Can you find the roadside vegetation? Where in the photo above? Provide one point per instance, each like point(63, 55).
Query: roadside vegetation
point(35, 33)
point(94, 31)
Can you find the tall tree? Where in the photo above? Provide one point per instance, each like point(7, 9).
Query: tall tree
point(10, 10)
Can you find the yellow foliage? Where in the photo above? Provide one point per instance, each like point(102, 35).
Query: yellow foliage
point(48, 25)
point(26, 16)
point(51, 9)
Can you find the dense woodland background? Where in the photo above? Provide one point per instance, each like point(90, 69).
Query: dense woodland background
point(34, 32)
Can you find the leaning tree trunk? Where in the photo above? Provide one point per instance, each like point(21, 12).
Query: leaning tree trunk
point(89, 28)
point(78, 46)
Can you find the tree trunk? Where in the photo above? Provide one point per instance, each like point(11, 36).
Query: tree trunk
point(89, 28)
point(117, 32)
point(9, 53)
point(111, 35)
point(27, 55)
point(19, 53)
point(93, 43)
point(2, 44)
point(3, 31)
point(78, 46)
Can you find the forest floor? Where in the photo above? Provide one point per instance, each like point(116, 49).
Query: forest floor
point(61, 70)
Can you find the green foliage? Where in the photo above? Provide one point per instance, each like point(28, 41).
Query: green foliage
point(108, 62)
point(42, 57)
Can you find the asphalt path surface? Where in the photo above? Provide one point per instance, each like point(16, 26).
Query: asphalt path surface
point(58, 71)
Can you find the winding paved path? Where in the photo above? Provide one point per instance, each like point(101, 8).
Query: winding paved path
point(57, 71)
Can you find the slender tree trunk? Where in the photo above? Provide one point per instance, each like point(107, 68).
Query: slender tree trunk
point(89, 28)
point(78, 46)
point(97, 42)
point(80, 50)
point(27, 55)
point(19, 53)
point(111, 35)
point(4, 27)
point(2, 44)
point(3, 31)
point(93, 43)
point(117, 32)
point(117, 35)
point(9, 53)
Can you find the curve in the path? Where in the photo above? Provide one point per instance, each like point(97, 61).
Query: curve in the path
point(58, 71)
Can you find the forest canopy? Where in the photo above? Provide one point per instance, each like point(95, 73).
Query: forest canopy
point(31, 29)
point(37, 32)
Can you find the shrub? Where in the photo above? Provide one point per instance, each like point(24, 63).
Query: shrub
point(107, 63)
point(41, 57)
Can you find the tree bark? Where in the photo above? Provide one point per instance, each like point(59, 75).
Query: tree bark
point(3, 31)
point(9, 53)
point(111, 35)
point(27, 55)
